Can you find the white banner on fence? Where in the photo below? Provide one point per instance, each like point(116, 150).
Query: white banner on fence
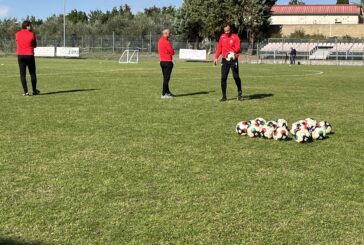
point(192, 54)
point(45, 51)
point(68, 52)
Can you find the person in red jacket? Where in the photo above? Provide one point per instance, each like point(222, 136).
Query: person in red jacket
point(166, 53)
point(26, 42)
point(229, 47)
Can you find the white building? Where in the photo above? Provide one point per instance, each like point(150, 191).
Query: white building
point(316, 14)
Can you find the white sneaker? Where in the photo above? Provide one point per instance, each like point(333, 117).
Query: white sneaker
point(166, 96)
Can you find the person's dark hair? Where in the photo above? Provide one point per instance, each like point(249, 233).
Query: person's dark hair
point(226, 25)
point(25, 24)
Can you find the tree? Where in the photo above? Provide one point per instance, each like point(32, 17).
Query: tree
point(252, 17)
point(77, 17)
point(342, 2)
point(190, 24)
point(200, 19)
point(8, 27)
point(296, 2)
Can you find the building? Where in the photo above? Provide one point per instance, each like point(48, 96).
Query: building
point(324, 19)
point(316, 14)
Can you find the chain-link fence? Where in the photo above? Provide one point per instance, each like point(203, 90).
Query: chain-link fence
point(107, 43)
point(277, 51)
point(112, 46)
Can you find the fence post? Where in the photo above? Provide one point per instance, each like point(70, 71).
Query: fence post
point(122, 44)
point(274, 57)
point(337, 55)
point(113, 42)
point(150, 42)
point(101, 44)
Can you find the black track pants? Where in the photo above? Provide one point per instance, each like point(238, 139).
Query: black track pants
point(167, 67)
point(25, 61)
point(225, 69)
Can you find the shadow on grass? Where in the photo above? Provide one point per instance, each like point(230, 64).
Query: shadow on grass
point(257, 96)
point(254, 96)
point(8, 241)
point(195, 93)
point(69, 91)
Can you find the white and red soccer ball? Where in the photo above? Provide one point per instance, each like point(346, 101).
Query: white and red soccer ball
point(242, 128)
point(280, 133)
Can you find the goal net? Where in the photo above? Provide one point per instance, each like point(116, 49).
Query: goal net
point(129, 57)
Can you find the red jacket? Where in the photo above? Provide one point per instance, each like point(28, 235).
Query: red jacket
point(165, 49)
point(26, 42)
point(228, 44)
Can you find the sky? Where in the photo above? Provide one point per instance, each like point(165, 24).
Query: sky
point(42, 9)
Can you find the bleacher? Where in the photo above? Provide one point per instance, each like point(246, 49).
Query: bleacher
point(319, 50)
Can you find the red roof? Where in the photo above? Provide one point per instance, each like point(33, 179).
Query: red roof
point(316, 9)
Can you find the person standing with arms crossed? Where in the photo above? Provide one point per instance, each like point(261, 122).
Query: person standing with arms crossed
point(26, 43)
point(166, 53)
point(229, 43)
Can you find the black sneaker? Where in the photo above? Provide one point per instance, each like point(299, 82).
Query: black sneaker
point(26, 94)
point(36, 92)
point(223, 99)
point(240, 96)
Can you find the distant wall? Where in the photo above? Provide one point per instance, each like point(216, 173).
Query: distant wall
point(337, 30)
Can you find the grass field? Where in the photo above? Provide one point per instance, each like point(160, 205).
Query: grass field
point(99, 158)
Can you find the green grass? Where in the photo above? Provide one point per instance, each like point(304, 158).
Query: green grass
point(101, 159)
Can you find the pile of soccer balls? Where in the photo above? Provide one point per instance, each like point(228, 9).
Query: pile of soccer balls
point(309, 129)
point(302, 130)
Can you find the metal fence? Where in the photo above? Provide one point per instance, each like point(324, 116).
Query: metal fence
point(332, 51)
point(113, 43)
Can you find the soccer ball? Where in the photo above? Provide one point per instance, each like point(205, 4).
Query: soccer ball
point(297, 126)
point(280, 133)
point(282, 123)
point(267, 132)
point(272, 124)
point(230, 56)
point(302, 136)
point(242, 128)
point(253, 131)
point(326, 125)
point(260, 121)
point(319, 133)
point(310, 124)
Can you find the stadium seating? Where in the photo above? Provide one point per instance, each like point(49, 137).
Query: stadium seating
point(314, 50)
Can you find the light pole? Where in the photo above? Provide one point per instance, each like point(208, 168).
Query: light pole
point(64, 23)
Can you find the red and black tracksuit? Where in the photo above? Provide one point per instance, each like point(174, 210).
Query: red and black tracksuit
point(166, 53)
point(228, 44)
point(26, 42)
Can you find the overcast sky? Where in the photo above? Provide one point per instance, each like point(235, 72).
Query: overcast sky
point(44, 8)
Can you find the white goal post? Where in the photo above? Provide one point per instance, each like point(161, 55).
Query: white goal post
point(129, 57)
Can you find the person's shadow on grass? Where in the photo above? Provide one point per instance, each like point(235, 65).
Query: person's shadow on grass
point(69, 91)
point(254, 96)
point(194, 93)
point(8, 241)
point(257, 96)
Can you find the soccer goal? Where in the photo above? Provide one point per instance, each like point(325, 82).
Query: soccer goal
point(129, 57)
